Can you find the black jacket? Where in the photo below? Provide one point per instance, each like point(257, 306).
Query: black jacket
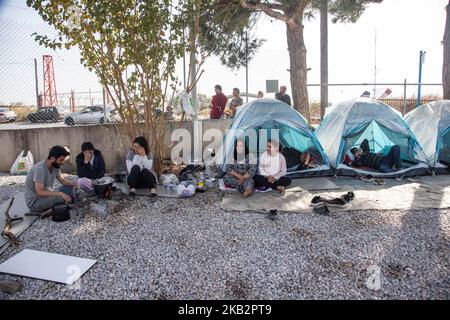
point(283, 97)
point(94, 171)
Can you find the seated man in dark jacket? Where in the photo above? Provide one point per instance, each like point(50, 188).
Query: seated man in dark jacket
point(90, 163)
point(377, 161)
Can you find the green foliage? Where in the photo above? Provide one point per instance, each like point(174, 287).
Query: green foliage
point(225, 30)
point(132, 46)
point(341, 10)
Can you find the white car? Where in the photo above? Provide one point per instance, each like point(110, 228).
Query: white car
point(89, 115)
point(7, 115)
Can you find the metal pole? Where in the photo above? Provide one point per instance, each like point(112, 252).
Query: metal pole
point(323, 58)
point(404, 98)
point(184, 60)
point(246, 67)
point(104, 106)
point(419, 87)
point(375, 70)
point(37, 85)
point(90, 97)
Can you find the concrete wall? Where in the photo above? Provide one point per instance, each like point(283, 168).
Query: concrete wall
point(104, 137)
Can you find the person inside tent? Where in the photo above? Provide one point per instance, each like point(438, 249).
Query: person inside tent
point(272, 169)
point(384, 163)
point(296, 160)
point(239, 173)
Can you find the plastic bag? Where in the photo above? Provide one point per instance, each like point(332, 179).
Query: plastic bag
point(185, 192)
point(22, 164)
point(168, 179)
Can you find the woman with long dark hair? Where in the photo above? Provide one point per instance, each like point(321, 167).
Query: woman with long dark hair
point(272, 169)
point(140, 167)
point(239, 173)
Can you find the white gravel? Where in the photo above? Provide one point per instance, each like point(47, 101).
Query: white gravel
point(191, 249)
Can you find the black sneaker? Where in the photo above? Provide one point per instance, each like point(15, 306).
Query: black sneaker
point(273, 215)
point(349, 196)
point(317, 201)
point(336, 202)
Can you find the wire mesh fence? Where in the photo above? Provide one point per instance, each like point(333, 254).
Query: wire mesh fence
point(79, 98)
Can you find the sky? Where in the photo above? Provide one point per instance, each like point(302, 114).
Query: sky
point(402, 29)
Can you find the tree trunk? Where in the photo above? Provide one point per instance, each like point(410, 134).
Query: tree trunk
point(446, 61)
point(298, 68)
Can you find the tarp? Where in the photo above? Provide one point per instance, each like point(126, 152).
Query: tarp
point(430, 123)
point(348, 123)
point(278, 118)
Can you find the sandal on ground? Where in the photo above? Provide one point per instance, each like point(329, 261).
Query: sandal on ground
point(317, 201)
point(132, 192)
point(367, 178)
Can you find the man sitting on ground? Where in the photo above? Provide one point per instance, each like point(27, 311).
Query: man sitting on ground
point(39, 184)
point(377, 161)
point(90, 163)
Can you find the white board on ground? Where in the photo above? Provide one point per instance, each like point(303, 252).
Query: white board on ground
point(47, 266)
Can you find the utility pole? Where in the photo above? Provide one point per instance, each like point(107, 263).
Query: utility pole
point(246, 67)
point(323, 58)
point(375, 69)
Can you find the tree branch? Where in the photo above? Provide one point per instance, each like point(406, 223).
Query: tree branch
point(267, 9)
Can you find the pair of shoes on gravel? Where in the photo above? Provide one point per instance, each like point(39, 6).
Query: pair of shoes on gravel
point(336, 202)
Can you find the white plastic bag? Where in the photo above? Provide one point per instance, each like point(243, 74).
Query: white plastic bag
point(168, 179)
point(22, 164)
point(185, 192)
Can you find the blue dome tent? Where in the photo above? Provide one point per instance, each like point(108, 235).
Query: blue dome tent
point(348, 123)
point(276, 117)
point(430, 123)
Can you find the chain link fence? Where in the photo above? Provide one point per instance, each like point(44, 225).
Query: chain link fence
point(80, 98)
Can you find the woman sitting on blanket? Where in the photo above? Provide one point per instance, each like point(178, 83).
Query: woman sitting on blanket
point(272, 169)
point(239, 173)
point(139, 162)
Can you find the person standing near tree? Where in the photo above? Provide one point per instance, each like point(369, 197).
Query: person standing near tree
point(235, 102)
point(218, 103)
point(283, 96)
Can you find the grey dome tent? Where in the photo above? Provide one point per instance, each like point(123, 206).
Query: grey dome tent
point(430, 123)
point(348, 123)
point(292, 128)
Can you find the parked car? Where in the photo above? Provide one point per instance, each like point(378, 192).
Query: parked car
point(45, 114)
point(7, 115)
point(89, 115)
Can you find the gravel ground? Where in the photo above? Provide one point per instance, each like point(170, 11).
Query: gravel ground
point(191, 249)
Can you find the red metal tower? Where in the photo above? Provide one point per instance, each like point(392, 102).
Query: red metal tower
point(50, 97)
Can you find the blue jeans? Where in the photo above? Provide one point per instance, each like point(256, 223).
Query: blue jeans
point(392, 159)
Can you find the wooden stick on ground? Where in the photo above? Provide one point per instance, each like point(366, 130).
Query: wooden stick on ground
point(8, 224)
